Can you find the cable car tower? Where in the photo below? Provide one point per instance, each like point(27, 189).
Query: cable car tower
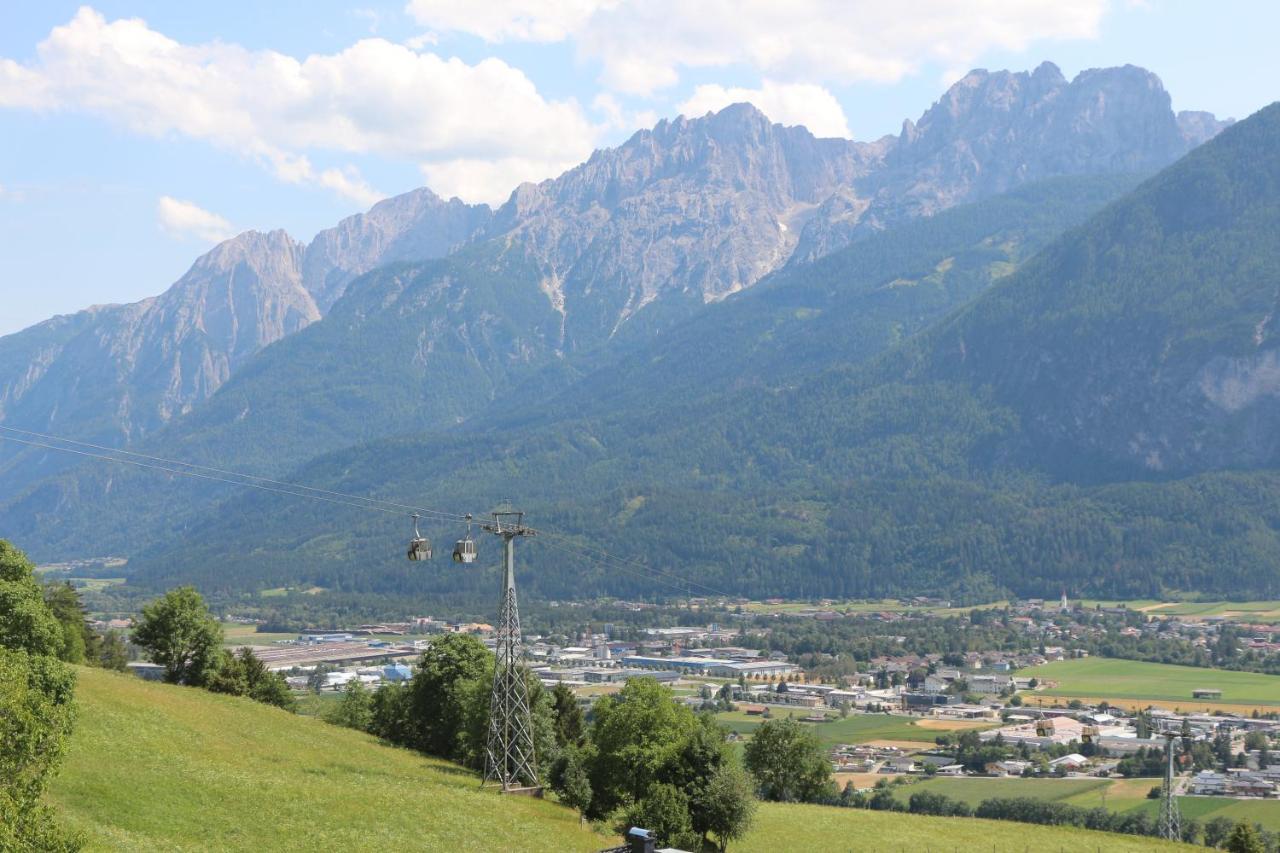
point(1169, 823)
point(509, 757)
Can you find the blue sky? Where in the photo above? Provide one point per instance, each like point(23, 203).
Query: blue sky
point(134, 135)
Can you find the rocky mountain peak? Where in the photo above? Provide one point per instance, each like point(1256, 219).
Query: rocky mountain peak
point(1198, 127)
point(272, 257)
point(700, 206)
point(414, 226)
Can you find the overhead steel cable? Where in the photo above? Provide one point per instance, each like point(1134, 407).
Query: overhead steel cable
point(197, 474)
point(593, 554)
point(439, 514)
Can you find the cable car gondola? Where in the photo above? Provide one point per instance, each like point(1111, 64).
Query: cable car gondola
point(419, 545)
point(464, 551)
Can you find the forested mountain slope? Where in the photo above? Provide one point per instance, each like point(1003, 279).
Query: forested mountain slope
point(1148, 342)
point(927, 469)
point(843, 309)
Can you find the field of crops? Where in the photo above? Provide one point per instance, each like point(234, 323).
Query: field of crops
point(857, 728)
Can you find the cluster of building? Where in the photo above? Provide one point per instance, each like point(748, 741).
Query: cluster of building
point(1237, 782)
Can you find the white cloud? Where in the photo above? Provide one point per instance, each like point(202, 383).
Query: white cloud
point(348, 183)
point(642, 44)
point(187, 219)
point(787, 103)
point(421, 40)
point(374, 97)
point(613, 116)
point(508, 20)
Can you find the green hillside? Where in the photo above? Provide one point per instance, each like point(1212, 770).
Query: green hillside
point(1142, 342)
point(154, 767)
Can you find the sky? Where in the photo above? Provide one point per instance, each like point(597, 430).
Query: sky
point(136, 135)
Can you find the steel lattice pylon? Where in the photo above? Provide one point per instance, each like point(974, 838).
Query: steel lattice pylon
point(1169, 825)
point(509, 754)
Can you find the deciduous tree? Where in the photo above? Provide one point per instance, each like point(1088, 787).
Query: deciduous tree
point(180, 635)
point(788, 762)
point(25, 620)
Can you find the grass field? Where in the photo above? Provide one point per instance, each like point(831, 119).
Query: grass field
point(797, 827)
point(1111, 679)
point(154, 767)
point(1255, 611)
point(1118, 795)
point(856, 728)
point(236, 635)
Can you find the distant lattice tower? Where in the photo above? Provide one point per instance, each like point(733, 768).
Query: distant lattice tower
point(1169, 824)
point(509, 756)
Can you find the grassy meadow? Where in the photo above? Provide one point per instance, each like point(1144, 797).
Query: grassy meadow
point(1118, 795)
point(1250, 611)
point(155, 767)
point(1142, 684)
point(788, 827)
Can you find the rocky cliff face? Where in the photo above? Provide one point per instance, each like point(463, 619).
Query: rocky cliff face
point(689, 212)
point(416, 226)
point(118, 372)
point(993, 131)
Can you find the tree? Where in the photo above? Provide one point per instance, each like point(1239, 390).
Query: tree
point(570, 725)
point(1216, 831)
point(113, 652)
point(36, 716)
point(639, 734)
point(389, 714)
point(437, 707)
point(788, 762)
point(244, 674)
point(354, 710)
point(180, 635)
point(64, 603)
point(319, 676)
point(569, 779)
point(25, 620)
point(664, 811)
point(1244, 838)
point(725, 806)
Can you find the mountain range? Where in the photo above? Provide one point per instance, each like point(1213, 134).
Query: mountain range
point(672, 324)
